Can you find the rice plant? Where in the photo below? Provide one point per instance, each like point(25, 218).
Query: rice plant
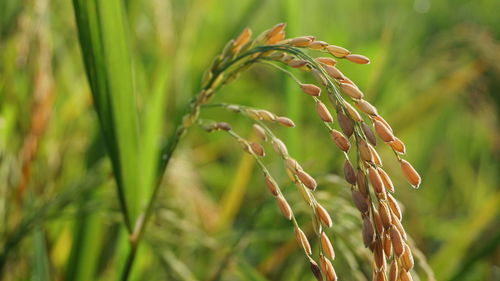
point(115, 174)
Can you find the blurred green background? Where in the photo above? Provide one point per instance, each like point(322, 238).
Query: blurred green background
point(434, 75)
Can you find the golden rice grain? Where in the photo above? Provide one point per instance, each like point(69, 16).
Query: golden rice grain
point(375, 180)
point(323, 112)
point(284, 207)
point(353, 112)
point(399, 226)
point(377, 221)
point(303, 242)
point(398, 146)
point(280, 147)
point(257, 149)
point(368, 234)
point(275, 30)
point(319, 77)
point(303, 41)
point(292, 164)
point(333, 72)
point(380, 276)
point(327, 246)
point(361, 183)
point(330, 273)
point(345, 123)
point(260, 132)
point(277, 38)
point(326, 60)
point(337, 51)
point(405, 276)
point(340, 140)
point(366, 107)
point(386, 180)
point(266, 115)
point(323, 215)
point(378, 255)
point(360, 201)
point(410, 173)
point(393, 271)
point(296, 63)
point(318, 45)
point(364, 151)
point(351, 90)
point(359, 59)
point(306, 179)
point(387, 245)
point(397, 241)
point(376, 158)
point(407, 259)
point(370, 136)
point(272, 186)
point(242, 39)
point(311, 89)
point(315, 270)
point(349, 173)
point(284, 121)
point(383, 131)
point(385, 215)
point(394, 206)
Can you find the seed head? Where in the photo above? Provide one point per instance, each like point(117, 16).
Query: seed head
point(410, 173)
point(361, 183)
point(310, 89)
point(405, 276)
point(376, 158)
point(359, 59)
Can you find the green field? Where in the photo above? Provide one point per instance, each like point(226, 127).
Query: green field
point(101, 178)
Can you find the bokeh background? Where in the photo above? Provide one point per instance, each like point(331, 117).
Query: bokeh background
point(434, 75)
